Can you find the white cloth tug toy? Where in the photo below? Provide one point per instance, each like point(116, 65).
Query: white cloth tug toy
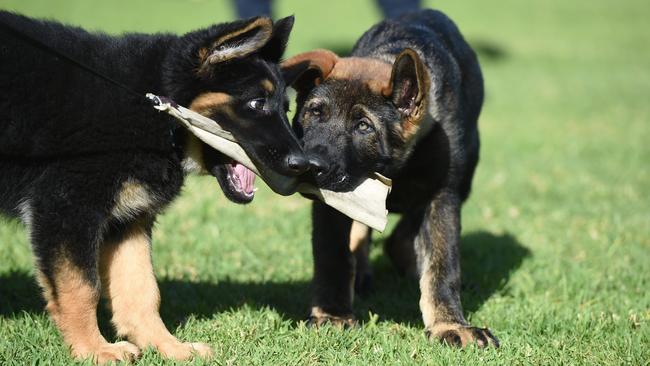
point(365, 204)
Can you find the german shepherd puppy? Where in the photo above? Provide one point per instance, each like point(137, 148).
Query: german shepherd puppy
point(405, 104)
point(87, 167)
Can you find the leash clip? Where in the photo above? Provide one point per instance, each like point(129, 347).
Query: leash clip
point(160, 103)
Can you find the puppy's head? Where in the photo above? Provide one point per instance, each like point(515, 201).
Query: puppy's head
point(356, 116)
point(229, 73)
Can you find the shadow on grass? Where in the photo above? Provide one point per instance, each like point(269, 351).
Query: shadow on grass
point(19, 292)
point(487, 49)
point(487, 262)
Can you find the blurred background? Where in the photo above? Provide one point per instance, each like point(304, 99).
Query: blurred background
point(556, 234)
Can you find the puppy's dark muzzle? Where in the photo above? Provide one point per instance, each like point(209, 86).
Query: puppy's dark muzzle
point(296, 164)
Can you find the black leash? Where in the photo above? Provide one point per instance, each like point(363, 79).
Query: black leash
point(44, 47)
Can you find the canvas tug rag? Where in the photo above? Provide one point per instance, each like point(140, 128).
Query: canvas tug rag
point(365, 204)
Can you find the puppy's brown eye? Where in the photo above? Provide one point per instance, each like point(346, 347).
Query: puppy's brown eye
point(257, 104)
point(315, 110)
point(364, 126)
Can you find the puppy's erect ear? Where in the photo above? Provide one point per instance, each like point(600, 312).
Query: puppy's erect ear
point(409, 86)
point(306, 70)
point(275, 47)
point(240, 42)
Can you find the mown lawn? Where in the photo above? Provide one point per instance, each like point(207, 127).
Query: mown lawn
point(556, 236)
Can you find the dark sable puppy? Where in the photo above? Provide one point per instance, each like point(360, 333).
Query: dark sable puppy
point(406, 105)
point(88, 167)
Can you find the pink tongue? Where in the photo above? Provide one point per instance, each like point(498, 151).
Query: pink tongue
point(246, 177)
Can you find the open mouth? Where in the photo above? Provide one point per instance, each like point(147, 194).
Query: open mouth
point(237, 182)
point(240, 182)
point(241, 179)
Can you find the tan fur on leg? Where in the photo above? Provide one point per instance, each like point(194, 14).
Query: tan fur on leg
point(439, 261)
point(130, 285)
point(72, 304)
point(432, 312)
point(360, 248)
point(359, 235)
point(438, 302)
point(442, 319)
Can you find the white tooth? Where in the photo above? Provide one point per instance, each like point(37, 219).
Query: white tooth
point(255, 189)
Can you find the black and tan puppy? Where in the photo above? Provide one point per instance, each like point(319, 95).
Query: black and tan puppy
point(406, 105)
point(88, 167)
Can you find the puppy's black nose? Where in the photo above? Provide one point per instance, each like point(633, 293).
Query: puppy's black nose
point(318, 165)
point(297, 164)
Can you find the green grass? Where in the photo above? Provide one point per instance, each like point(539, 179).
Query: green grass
point(556, 236)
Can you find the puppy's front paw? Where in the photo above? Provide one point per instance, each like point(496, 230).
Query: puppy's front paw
point(462, 335)
point(106, 352)
point(185, 351)
point(319, 317)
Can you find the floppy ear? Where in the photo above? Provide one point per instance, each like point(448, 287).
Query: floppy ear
point(306, 70)
point(237, 43)
point(275, 47)
point(409, 86)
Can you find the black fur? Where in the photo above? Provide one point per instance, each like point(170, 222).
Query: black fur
point(69, 140)
point(350, 130)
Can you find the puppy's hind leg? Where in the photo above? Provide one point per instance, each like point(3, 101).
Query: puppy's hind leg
point(132, 291)
point(400, 247)
point(67, 272)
